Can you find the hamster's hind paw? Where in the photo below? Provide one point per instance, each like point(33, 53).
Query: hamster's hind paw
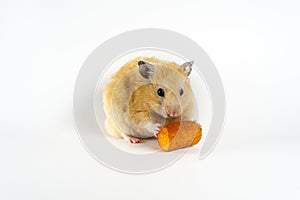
point(131, 139)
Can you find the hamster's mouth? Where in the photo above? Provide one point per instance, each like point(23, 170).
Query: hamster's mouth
point(172, 116)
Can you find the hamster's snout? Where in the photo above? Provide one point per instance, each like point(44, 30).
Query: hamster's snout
point(173, 111)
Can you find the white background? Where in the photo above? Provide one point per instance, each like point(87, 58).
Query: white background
point(254, 44)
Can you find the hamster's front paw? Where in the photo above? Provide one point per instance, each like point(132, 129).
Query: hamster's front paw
point(154, 128)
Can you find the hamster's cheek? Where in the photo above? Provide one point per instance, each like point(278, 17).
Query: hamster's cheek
point(158, 109)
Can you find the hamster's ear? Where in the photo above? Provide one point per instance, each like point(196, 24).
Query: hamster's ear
point(145, 69)
point(187, 67)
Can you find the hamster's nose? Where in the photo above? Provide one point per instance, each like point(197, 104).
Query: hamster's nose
point(171, 111)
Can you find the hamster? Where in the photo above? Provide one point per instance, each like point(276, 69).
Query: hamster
point(144, 95)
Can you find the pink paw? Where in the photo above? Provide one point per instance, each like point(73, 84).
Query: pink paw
point(132, 140)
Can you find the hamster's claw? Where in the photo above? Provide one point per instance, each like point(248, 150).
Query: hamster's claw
point(157, 129)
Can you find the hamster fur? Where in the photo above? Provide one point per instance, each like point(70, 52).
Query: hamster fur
point(145, 94)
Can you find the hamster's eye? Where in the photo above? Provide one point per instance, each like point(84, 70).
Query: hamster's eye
point(181, 92)
point(161, 92)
